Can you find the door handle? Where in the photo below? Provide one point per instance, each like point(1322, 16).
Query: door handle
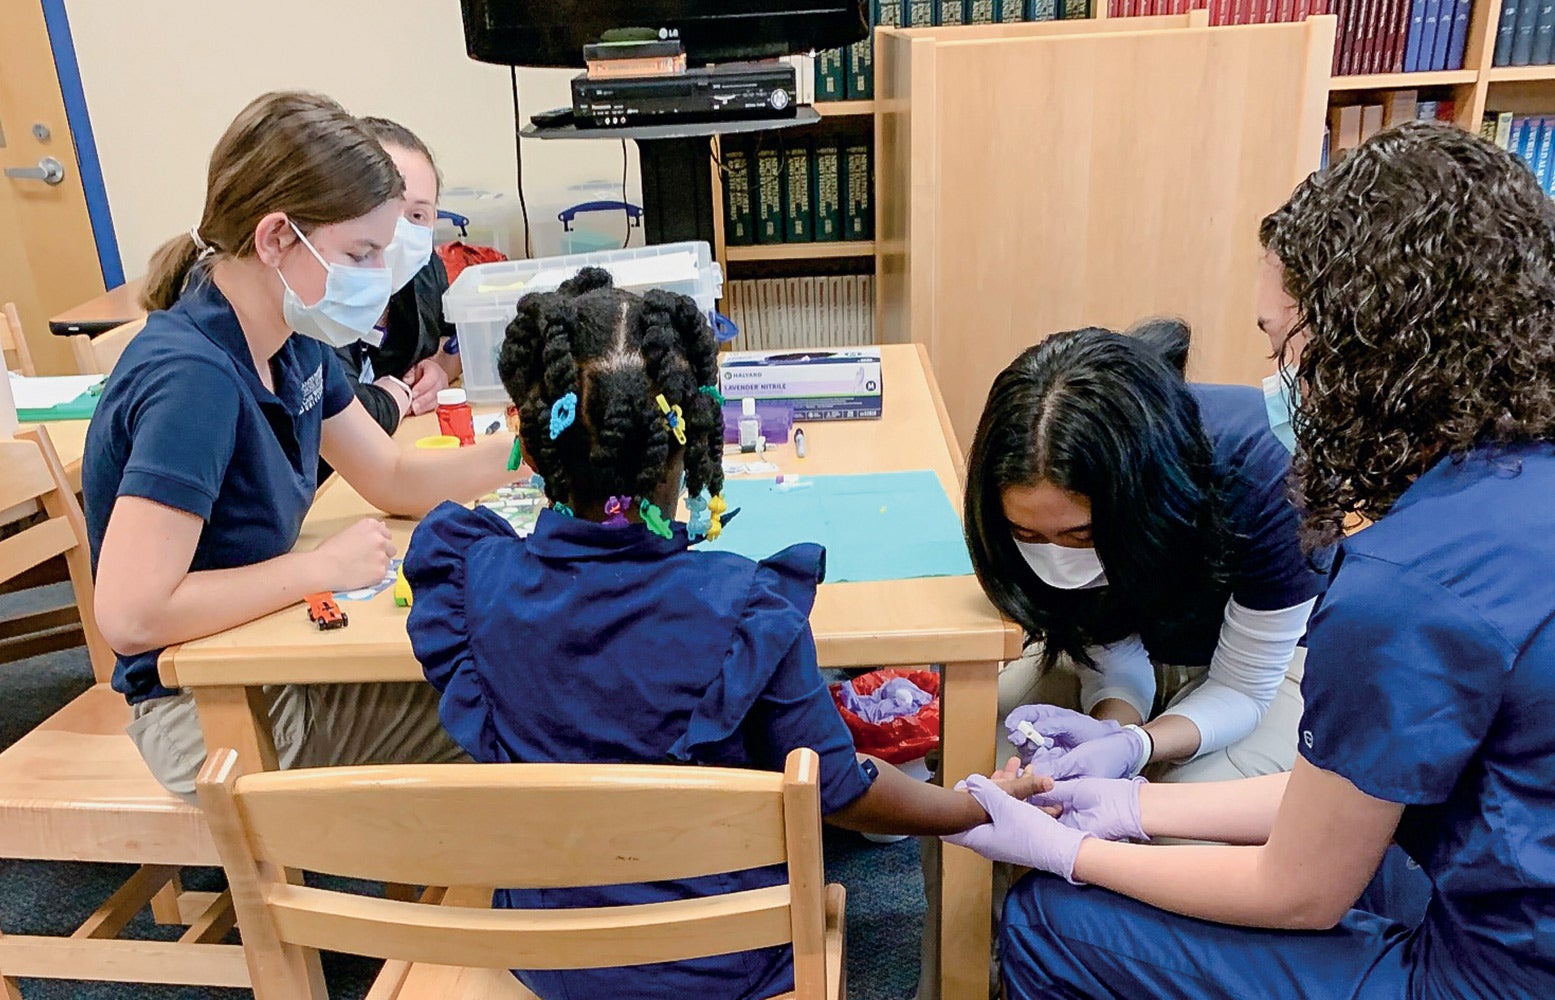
point(49, 170)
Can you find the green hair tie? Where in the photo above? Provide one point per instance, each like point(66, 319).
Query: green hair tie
point(653, 518)
point(516, 456)
point(562, 509)
point(712, 390)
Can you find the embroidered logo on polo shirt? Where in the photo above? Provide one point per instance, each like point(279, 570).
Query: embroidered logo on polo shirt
point(312, 391)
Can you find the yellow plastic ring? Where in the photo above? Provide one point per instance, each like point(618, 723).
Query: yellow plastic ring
point(438, 441)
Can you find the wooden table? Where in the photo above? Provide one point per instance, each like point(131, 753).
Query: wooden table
point(944, 620)
point(110, 309)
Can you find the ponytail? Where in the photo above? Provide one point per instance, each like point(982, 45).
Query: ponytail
point(169, 269)
point(1169, 337)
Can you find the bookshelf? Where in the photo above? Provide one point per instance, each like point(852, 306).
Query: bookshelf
point(844, 109)
point(1407, 81)
point(1522, 74)
point(801, 251)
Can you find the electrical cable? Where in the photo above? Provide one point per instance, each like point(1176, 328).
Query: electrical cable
point(518, 151)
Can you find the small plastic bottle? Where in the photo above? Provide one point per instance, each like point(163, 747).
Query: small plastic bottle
point(750, 424)
point(454, 417)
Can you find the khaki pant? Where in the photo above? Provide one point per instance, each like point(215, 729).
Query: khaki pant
point(1269, 749)
point(314, 725)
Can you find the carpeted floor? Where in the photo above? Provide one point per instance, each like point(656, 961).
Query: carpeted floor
point(885, 889)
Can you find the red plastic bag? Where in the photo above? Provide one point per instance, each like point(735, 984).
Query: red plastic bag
point(898, 740)
point(457, 256)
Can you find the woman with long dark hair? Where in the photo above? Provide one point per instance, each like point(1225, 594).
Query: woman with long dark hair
point(1420, 272)
point(1138, 527)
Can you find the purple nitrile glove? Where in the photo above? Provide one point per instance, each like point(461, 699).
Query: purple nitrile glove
point(1091, 748)
point(1113, 756)
point(1102, 807)
point(1018, 833)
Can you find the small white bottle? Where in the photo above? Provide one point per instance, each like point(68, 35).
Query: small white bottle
point(750, 424)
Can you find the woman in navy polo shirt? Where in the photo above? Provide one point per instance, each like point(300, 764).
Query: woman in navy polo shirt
point(1139, 528)
point(202, 458)
point(1422, 271)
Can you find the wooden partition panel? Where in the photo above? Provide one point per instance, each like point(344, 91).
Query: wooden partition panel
point(1035, 184)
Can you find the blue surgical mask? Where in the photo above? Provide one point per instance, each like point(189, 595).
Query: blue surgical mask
point(408, 253)
point(354, 299)
point(1063, 567)
point(1280, 399)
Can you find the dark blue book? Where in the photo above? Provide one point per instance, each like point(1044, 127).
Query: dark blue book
point(1522, 138)
point(1506, 30)
point(1522, 41)
point(1544, 34)
point(1443, 35)
point(1460, 34)
point(1416, 29)
point(1433, 16)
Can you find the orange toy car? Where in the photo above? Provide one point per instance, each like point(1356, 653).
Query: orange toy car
point(324, 612)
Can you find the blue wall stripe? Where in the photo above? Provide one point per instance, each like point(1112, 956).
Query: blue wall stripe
point(86, 145)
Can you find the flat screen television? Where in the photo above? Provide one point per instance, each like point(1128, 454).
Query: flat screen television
point(553, 32)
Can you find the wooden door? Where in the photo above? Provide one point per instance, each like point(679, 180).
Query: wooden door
point(48, 258)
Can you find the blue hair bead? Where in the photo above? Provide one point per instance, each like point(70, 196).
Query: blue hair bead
point(563, 412)
point(701, 519)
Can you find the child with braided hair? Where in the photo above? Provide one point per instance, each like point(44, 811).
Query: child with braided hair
point(606, 636)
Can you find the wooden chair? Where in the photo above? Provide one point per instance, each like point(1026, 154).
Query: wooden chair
point(76, 789)
point(518, 825)
point(13, 342)
point(97, 355)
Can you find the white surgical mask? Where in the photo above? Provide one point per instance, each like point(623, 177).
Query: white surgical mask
point(1280, 399)
point(354, 298)
point(408, 253)
point(1064, 568)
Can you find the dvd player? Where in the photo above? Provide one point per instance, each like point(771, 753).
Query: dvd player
point(715, 93)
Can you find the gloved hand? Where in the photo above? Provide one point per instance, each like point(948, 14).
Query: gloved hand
point(1092, 748)
point(1018, 833)
point(1102, 807)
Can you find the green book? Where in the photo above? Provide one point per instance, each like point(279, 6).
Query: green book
point(1074, 10)
point(921, 13)
point(861, 70)
point(769, 196)
point(951, 12)
point(826, 202)
point(738, 228)
point(858, 220)
point(982, 11)
point(1041, 10)
point(798, 223)
point(831, 75)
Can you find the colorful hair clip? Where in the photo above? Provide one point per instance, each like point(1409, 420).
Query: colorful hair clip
point(701, 518)
point(653, 517)
point(615, 510)
point(537, 482)
point(563, 412)
point(510, 415)
point(716, 508)
point(712, 390)
point(516, 456)
point(562, 509)
point(673, 417)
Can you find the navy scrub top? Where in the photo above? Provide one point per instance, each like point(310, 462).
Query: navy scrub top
point(1431, 682)
point(1268, 570)
point(184, 421)
point(590, 643)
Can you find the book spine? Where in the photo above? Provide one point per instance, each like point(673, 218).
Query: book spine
point(826, 207)
point(1506, 32)
point(1271, 10)
point(830, 75)
point(1347, 11)
point(798, 223)
point(1522, 41)
point(769, 196)
point(919, 13)
point(1425, 111)
point(1399, 37)
point(859, 212)
point(1542, 170)
point(1520, 138)
point(1432, 23)
point(1446, 111)
point(861, 70)
point(1286, 12)
point(1412, 44)
point(1458, 38)
point(1371, 60)
point(1543, 33)
point(1443, 35)
point(738, 230)
point(1504, 130)
point(979, 12)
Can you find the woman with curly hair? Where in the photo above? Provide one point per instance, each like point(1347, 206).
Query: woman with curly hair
point(1420, 274)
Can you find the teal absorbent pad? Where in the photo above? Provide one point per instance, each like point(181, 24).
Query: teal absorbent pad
point(878, 526)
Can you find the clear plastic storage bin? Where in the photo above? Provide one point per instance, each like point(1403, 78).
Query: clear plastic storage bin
point(484, 298)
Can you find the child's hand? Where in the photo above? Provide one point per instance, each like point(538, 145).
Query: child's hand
point(1021, 786)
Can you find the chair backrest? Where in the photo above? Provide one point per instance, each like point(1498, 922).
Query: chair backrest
point(30, 471)
point(97, 355)
point(517, 826)
point(13, 342)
